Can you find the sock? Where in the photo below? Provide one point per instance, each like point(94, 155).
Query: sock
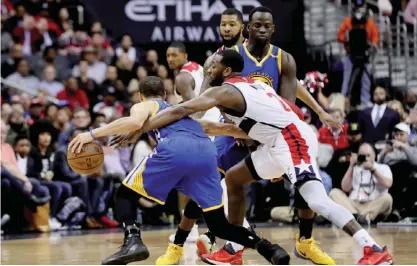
point(181, 237)
point(363, 239)
point(306, 228)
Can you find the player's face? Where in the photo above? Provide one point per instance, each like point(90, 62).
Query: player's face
point(230, 29)
point(175, 58)
point(261, 27)
point(216, 71)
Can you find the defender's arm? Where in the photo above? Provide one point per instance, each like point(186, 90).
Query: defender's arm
point(224, 129)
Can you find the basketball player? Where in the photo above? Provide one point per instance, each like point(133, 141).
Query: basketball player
point(184, 159)
point(188, 75)
point(276, 68)
point(288, 146)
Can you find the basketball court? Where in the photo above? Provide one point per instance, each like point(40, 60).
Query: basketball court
point(91, 247)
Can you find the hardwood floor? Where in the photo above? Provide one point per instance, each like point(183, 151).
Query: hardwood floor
point(93, 248)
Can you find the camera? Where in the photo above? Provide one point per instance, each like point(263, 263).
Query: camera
point(361, 158)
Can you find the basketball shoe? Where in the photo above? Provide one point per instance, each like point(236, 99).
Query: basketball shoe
point(376, 256)
point(206, 243)
point(132, 249)
point(226, 255)
point(308, 249)
point(172, 256)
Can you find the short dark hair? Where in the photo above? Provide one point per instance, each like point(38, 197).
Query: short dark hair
point(180, 46)
point(262, 9)
point(19, 138)
point(232, 59)
point(233, 11)
point(152, 86)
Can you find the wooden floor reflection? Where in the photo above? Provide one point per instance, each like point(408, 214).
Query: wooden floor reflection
point(93, 248)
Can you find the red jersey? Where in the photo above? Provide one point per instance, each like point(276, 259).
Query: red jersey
point(78, 99)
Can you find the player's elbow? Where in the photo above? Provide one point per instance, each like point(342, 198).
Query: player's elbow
point(135, 123)
point(178, 112)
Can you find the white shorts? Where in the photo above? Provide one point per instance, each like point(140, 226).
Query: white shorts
point(293, 156)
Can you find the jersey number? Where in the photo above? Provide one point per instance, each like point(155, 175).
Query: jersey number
point(284, 104)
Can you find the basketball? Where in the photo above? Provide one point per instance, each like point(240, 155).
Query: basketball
point(89, 161)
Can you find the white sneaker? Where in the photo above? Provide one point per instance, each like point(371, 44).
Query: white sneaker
point(205, 245)
point(192, 237)
point(54, 224)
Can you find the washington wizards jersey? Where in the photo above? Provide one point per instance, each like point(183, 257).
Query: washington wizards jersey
point(267, 70)
point(186, 124)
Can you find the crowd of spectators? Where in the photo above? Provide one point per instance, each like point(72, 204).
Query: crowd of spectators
point(368, 166)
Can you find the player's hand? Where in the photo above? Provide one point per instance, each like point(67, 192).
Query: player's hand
point(123, 140)
point(368, 165)
point(328, 120)
point(78, 142)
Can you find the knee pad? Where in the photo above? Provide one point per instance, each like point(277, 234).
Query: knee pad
point(192, 210)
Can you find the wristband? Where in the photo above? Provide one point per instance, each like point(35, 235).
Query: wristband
point(92, 135)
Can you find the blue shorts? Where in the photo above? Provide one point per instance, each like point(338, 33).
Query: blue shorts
point(182, 161)
point(229, 153)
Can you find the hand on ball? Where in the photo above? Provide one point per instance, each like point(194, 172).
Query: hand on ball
point(78, 142)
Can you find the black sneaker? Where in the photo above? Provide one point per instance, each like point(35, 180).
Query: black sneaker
point(273, 253)
point(132, 249)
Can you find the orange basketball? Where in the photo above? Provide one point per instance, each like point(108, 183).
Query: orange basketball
point(89, 161)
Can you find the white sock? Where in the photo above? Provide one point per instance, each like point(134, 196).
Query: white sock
point(363, 238)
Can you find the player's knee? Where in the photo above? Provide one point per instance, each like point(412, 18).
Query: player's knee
point(192, 210)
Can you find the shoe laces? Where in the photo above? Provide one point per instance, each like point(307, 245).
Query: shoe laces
point(314, 245)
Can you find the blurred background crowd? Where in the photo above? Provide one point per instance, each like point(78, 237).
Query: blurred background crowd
point(63, 73)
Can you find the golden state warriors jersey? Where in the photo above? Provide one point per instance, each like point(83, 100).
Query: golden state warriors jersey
point(268, 70)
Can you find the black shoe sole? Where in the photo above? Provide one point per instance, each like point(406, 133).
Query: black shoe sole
point(123, 260)
point(280, 259)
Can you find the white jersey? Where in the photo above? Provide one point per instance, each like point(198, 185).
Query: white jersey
point(197, 72)
point(266, 114)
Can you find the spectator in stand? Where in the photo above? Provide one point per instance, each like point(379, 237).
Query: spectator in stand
point(51, 112)
point(28, 36)
point(9, 66)
point(51, 25)
point(16, 19)
point(81, 119)
point(17, 124)
point(354, 137)
point(23, 78)
point(351, 61)
point(398, 149)
point(49, 37)
point(49, 83)
point(127, 48)
point(30, 188)
point(109, 106)
point(35, 111)
point(336, 137)
point(102, 46)
point(87, 84)
point(6, 40)
point(72, 94)
point(64, 22)
point(377, 122)
point(126, 68)
point(62, 121)
point(410, 99)
point(96, 69)
point(367, 183)
point(36, 161)
point(410, 13)
point(162, 72)
point(111, 81)
point(151, 63)
point(74, 41)
point(49, 58)
point(6, 111)
point(7, 10)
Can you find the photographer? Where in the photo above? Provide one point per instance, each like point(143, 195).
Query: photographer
point(367, 183)
point(359, 34)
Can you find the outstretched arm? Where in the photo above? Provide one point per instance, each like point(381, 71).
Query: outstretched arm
point(138, 115)
point(222, 129)
point(204, 102)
